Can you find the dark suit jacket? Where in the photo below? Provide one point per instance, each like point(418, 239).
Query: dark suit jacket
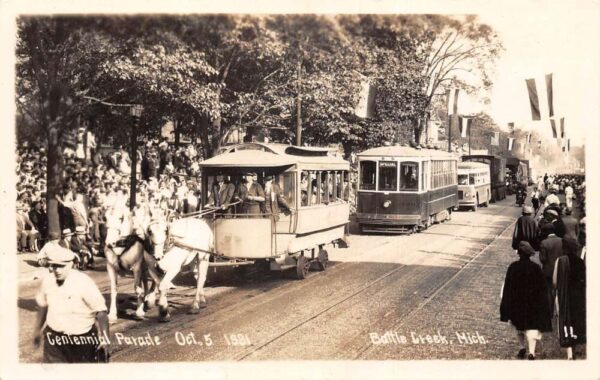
point(550, 250)
point(272, 202)
point(242, 193)
point(571, 226)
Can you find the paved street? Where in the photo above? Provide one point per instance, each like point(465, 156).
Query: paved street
point(432, 295)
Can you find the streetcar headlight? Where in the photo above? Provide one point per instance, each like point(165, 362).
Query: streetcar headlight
point(387, 204)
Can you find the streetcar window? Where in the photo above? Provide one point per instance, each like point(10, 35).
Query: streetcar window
point(472, 179)
point(367, 175)
point(409, 176)
point(463, 179)
point(388, 175)
point(286, 183)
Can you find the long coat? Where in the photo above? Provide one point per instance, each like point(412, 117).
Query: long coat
point(550, 250)
point(570, 294)
point(525, 297)
point(526, 230)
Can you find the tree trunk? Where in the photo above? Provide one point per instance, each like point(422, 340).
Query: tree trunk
point(54, 179)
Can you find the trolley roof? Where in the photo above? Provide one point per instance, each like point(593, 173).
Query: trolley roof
point(472, 165)
point(257, 155)
point(406, 151)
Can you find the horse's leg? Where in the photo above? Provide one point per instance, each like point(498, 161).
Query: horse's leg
point(139, 284)
point(150, 266)
point(112, 276)
point(200, 300)
point(163, 288)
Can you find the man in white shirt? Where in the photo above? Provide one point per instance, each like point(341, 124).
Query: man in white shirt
point(569, 196)
point(70, 305)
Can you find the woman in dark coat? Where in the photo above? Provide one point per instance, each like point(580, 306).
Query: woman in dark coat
point(569, 281)
point(524, 300)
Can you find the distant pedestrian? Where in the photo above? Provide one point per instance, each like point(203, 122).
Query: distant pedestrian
point(526, 229)
point(535, 200)
point(569, 196)
point(552, 198)
point(570, 283)
point(524, 301)
point(70, 304)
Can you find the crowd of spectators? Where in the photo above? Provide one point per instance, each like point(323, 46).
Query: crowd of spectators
point(167, 179)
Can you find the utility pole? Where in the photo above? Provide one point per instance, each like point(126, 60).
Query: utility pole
point(450, 133)
point(136, 112)
point(299, 105)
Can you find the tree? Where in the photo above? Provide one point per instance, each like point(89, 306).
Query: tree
point(53, 54)
point(461, 53)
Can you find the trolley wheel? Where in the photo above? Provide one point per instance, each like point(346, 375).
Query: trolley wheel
point(322, 260)
point(302, 267)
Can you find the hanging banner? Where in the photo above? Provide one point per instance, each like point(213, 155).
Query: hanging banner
point(562, 127)
point(496, 139)
point(452, 101)
point(568, 145)
point(465, 126)
point(366, 100)
point(511, 140)
point(553, 125)
point(533, 99)
point(550, 94)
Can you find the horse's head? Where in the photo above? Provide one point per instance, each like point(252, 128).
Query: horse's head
point(117, 226)
point(158, 235)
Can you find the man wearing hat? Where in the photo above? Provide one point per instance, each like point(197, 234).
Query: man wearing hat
point(526, 229)
point(67, 235)
point(274, 198)
point(251, 193)
point(550, 250)
point(70, 304)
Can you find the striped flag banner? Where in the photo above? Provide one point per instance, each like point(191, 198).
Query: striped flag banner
point(533, 99)
point(496, 139)
point(553, 125)
point(562, 127)
point(511, 140)
point(465, 126)
point(549, 93)
point(452, 101)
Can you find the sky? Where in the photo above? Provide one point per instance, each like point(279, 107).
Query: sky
point(539, 38)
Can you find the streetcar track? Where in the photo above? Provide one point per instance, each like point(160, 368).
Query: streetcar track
point(434, 294)
point(371, 284)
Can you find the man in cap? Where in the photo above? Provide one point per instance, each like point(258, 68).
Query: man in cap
point(274, 198)
point(70, 304)
point(526, 229)
point(251, 193)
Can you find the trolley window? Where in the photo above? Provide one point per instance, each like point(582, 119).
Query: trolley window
point(409, 176)
point(463, 179)
point(367, 175)
point(388, 176)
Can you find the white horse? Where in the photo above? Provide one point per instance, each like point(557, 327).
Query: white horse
point(192, 241)
point(129, 258)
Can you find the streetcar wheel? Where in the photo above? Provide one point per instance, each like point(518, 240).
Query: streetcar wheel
point(302, 266)
point(322, 260)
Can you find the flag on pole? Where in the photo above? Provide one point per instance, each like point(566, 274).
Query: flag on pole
point(562, 127)
point(550, 94)
point(533, 99)
point(511, 140)
point(569, 145)
point(553, 124)
point(496, 139)
point(465, 126)
point(452, 100)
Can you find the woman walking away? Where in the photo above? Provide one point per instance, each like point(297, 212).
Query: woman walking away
point(524, 301)
point(569, 280)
